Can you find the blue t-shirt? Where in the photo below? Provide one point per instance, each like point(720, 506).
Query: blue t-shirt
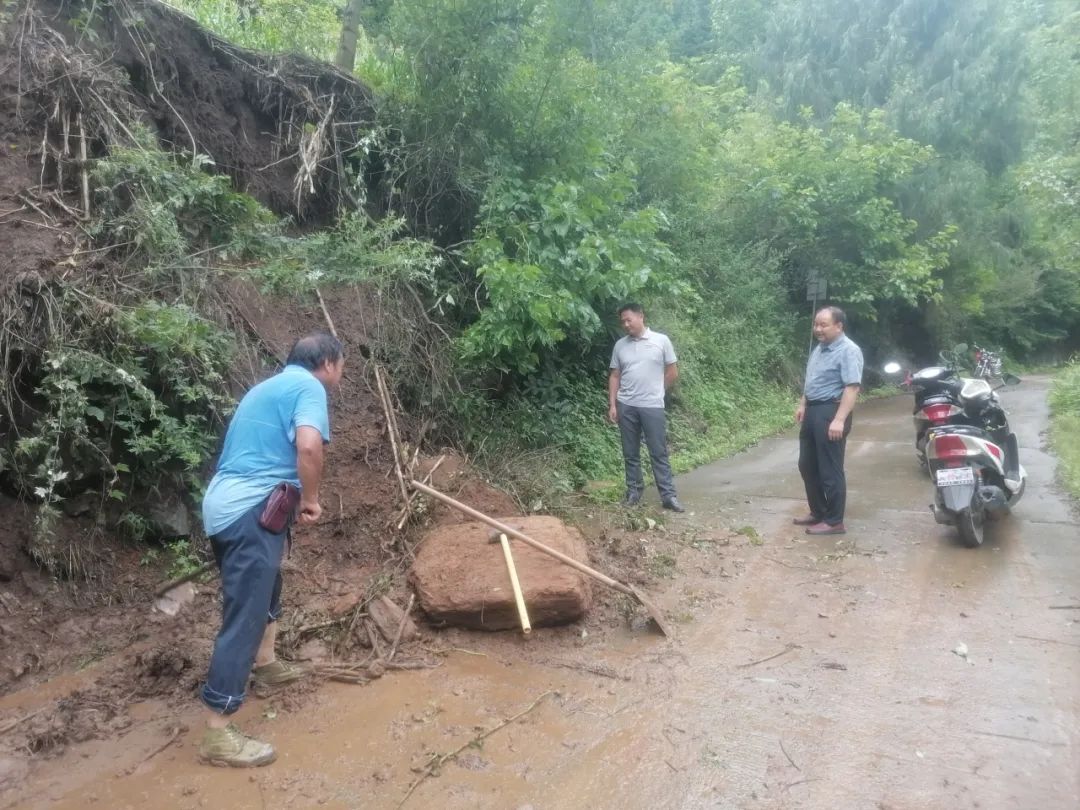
point(260, 449)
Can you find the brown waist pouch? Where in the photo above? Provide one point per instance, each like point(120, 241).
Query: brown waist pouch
point(280, 508)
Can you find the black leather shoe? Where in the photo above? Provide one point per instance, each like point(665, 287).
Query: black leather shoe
point(631, 499)
point(674, 505)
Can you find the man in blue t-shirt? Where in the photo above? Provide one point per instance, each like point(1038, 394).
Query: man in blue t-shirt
point(276, 435)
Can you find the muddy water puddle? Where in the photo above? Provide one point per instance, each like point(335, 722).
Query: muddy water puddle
point(887, 668)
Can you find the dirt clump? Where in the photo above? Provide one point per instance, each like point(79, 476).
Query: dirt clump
point(165, 670)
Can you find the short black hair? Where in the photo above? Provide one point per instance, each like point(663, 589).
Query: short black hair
point(311, 351)
point(631, 306)
point(837, 315)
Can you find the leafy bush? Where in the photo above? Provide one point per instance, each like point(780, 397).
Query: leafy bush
point(162, 207)
point(127, 405)
point(357, 250)
point(1065, 427)
point(551, 256)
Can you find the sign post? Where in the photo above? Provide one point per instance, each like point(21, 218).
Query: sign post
point(817, 289)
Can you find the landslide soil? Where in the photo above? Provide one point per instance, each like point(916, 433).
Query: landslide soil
point(89, 659)
point(890, 668)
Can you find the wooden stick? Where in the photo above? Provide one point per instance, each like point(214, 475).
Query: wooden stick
point(789, 759)
point(82, 168)
point(784, 651)
point(326, 313)
point(519, 597)
point(438, 760)
point(387, 410)
point(173, 738)
point(19, 721)
point(400, 628)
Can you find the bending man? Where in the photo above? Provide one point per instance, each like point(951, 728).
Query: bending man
point(276, 435)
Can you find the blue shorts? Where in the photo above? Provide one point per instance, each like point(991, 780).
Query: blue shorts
point(249, 558)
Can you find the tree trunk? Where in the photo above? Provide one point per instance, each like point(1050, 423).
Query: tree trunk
point(350, 30)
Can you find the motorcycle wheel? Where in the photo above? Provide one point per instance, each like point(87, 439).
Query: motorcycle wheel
point(971, 526)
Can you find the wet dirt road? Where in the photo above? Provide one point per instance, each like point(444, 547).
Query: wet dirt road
point(807, 673)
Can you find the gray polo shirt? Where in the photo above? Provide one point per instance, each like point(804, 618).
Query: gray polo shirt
point(831, 368)
point(640, 363)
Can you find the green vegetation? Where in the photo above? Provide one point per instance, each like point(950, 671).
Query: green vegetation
point(1065, 428)
point(533, 165)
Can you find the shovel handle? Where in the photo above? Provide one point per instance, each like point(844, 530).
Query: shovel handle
point(173, 583)
point(519, 597)
point(524, 538)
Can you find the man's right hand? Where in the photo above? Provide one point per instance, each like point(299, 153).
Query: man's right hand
point(310, 512)
point(613, 415)
point(800, 412)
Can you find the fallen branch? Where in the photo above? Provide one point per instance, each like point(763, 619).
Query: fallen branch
point(438, 760)
point(326, 313)
point(1050, 641)
point(784, 651)
point(373, 635)
point(1064, 607)
point(401, 628)
point(173, 738)
point(1018, 738)
point(594, 669)
point(789, 759)
point(19, 721)
point(405, 665)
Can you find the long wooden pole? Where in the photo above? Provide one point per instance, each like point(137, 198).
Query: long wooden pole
point(524, 538)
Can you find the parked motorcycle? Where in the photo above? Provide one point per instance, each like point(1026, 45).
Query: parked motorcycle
point(937, 396)
point(987, 363)
point(975, 467)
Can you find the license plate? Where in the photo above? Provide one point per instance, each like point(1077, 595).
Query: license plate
point(955, 476)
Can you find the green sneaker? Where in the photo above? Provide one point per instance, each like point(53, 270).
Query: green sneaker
point(231, 747)
point(277, 673)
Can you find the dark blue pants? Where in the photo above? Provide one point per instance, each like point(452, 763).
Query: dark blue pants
point(250, 561)
point(652, 422)
point(821, 462)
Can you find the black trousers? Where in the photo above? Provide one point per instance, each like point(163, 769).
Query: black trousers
point(821, 462)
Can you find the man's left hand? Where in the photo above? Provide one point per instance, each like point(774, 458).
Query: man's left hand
point(836, 430)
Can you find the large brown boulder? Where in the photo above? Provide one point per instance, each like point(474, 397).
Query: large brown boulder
point(462, 579)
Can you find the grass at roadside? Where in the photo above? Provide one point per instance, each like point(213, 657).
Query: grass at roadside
point(555, 452)
point(1065, 426)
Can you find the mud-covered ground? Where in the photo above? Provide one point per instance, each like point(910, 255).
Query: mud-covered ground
point(809, 673)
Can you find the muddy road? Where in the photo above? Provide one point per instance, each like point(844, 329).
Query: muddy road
point(806, 673)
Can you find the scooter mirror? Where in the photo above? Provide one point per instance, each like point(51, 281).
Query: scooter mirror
point(892, 368)
point(1010, 379)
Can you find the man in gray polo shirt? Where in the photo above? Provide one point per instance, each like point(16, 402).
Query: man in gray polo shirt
point(643, 366)
point(833, 378)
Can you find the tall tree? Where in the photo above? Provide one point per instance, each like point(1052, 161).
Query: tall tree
point(350, 33)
